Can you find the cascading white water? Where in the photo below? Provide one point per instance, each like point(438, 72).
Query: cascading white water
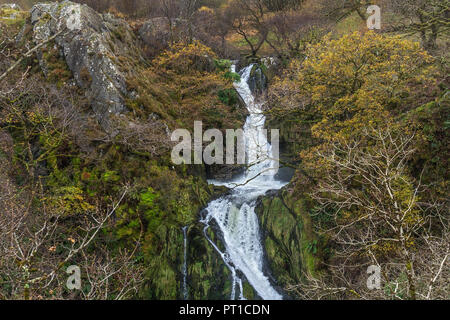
point(235, 213)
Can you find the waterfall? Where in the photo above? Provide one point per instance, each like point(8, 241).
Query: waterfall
point(184, 271)
point(235, 213)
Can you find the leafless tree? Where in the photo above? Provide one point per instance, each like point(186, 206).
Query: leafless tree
point(149, 137)
point(36, 246)
point(188, 10)
point(247, 20)
point(340, 9)
point(292, 31)
point(171, 10)
point(428, 18)
point(39, 236)
point(377, 217)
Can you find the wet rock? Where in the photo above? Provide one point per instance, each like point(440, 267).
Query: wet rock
point(258, 80)
point(287, 233)
point(89, 44)
point(224, 171)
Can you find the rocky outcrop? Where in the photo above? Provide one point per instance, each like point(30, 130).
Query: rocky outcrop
point(287, 236)
point(89, 43)
point(11, 13)
point(264, 69)
point(258, 80)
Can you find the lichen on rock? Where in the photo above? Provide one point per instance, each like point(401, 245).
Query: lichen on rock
point(87, 43)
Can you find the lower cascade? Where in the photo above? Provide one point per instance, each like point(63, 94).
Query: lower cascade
point(235, 213)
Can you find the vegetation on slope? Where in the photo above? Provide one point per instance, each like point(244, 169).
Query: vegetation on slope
point(370, 200)
point(364, 119)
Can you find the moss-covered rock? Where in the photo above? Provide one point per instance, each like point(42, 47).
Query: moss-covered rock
point(258, 80)
point(291, 246)
point(208, 276)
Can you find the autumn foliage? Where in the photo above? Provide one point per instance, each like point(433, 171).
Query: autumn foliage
point(353, 97)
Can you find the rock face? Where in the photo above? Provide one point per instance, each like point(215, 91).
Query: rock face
point(257, 81)
point(288, 236)
point(89, 46)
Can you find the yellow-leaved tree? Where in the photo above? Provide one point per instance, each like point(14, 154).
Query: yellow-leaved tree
point(357, 80)
point(353, 92)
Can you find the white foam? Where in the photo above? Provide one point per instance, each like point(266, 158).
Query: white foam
point(235, 214)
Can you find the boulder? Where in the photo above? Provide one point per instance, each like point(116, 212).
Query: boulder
point(89, 44)
point(258, 80)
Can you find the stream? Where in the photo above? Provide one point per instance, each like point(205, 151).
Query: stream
point(235, 213)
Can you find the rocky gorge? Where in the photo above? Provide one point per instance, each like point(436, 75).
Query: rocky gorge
point(99, 54)
point(90, 103)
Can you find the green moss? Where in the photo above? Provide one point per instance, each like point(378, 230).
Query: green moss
point(291, 246)
point(12, 17)
point(249, 292)
point(205, 264)
point(161, 198)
